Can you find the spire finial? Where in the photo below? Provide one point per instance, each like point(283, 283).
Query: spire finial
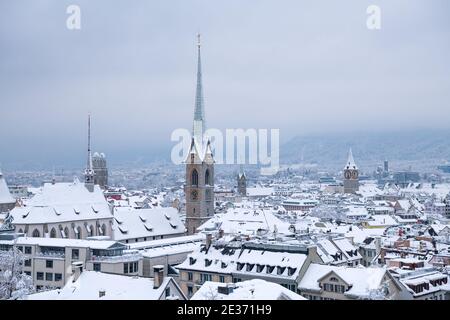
point(199, 111)
point(199, 43)
point(89, 172)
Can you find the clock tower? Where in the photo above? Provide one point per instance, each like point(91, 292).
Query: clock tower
point(351, 175)
point(199, 187)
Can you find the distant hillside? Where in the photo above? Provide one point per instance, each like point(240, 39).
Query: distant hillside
point(369, 147)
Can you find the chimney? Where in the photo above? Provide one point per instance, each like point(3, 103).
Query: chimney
point(77, 269)
point(101, 293)
point(158, 276)
point(226, 289)
point(208, 240)
point(378, 245)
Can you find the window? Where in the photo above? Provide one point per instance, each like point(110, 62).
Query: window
point(167, 292)
point(49, 276)
point(49, 264)
point(58, 276)
point(75, 254)
point(207, 177)
point(36, 233)
point(194, 178)
point(131, 267)
point(66, 232)
point(190, 276)
point(28, 273)
point(205, 277)
point(97, 267)
point(53, 233)
point(40, 276)
point(79, 235)
point(20, 248)
point(28, 263)
point(222, 279)
point(190, 290)
point(27, 250)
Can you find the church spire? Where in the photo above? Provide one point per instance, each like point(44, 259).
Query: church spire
point(89, 172)
point(350, 164)
point(199, 112)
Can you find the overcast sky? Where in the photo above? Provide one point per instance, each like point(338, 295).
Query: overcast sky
point(300, 66)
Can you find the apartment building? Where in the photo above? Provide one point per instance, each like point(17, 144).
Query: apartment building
point(51, 262)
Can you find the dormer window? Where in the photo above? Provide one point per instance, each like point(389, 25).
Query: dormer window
point(192, 261)
point(240, 266)
point(250, 266)
point(280, 270)
point(269, 269)
point(291, 271)
point(208, 262)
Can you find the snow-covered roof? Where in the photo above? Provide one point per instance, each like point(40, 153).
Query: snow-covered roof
point(260, 191)
point(350, 164)
point(245, 221)
point(130, 223)
point(362, 280)
point(115, 287)
point(255, 289)
point(245, 261)
point(62, 202)
point(71, 243)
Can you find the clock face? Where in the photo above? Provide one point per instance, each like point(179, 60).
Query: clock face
point(355, 174)
point(194, 195)
point(347, 174)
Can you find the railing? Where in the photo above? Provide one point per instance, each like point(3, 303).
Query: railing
point(124, 258)
point(51, 254)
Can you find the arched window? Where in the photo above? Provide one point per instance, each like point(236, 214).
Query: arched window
point(103, 230)
point(91, 231)
point(66, 232)
point(207, 177)
point(194, 178)
point(79, 235)
point(36, 233)
point(53, 233)
point(20, 231)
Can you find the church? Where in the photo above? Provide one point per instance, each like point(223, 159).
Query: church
point(199, 187)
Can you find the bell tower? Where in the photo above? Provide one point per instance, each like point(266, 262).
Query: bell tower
point(199, 187)
point(351, 175)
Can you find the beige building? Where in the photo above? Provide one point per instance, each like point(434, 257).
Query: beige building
point(232, 263)
point(325, 282)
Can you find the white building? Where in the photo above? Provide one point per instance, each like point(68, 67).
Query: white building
point(64, 210)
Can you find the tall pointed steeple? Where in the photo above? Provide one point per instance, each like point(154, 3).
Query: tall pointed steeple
point(199, 112)
point(350, 164)
point(89, 172)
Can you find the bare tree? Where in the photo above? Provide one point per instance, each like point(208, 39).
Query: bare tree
point(14, 283)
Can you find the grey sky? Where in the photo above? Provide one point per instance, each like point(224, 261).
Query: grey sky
point(301, 66)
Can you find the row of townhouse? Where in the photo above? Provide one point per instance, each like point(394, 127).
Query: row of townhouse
point(236, 262)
